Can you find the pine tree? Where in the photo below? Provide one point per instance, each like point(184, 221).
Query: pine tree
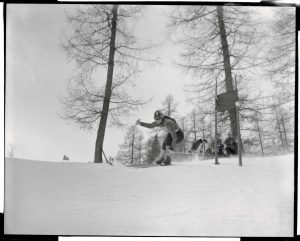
point(154, 150)
point(131, 150)
point(100, 40)
point(169, 105)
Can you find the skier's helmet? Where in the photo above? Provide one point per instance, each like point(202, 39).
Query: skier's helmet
point(158, 115)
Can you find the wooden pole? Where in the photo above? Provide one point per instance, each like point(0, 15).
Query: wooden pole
point(239, 135)
point(216, 125)
point(238, 128)
point(104, 156)
point(259, 135)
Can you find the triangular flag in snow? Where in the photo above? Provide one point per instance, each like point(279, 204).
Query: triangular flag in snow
point(65, 158)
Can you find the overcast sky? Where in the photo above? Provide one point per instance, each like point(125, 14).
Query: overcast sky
point(38, 72)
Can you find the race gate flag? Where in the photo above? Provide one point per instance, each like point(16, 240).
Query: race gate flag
point(226, 101)
point(65, 158)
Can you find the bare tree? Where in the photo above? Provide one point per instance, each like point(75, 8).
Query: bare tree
point(140, 148)
point(256, 132)
point(287, 128)
point(267, 122)
point(102, 40)
point(194, 129)
point(169, 105)
point(282, 60)
point(199, 124)
point(183, 146)
point(131, 150)
point(217, 43)
point(281, 52)
point(279, 127)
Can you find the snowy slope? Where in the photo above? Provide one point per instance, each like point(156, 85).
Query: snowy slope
point(187, 199)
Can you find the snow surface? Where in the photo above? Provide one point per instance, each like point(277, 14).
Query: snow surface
point(195, 198)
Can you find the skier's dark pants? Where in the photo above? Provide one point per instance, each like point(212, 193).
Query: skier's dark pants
point(168, 139)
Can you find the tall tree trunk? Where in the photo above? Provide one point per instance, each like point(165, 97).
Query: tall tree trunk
point(284, 132)
point(211, 128)
point(216, 127)
point(278, 124)
point(194, 125)
point(105, 107)
point(259, 135)
point(203, 128)
point(132, 149)
point(227, 67)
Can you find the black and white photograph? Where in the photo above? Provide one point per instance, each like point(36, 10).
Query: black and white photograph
point(150, 120)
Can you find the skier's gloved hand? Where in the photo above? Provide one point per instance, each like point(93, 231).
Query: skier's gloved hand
point(138, 122)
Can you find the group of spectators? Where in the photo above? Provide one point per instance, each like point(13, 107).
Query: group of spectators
point(227, 148)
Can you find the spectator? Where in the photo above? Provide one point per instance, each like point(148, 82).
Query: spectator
point(220, 146)
point(231, 145)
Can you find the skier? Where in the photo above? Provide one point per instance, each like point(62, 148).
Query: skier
point(174, 136)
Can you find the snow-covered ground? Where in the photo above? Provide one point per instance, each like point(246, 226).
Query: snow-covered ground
point(195, 198)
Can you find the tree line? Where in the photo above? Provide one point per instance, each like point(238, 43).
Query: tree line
point(267, 129)
point(228, 44)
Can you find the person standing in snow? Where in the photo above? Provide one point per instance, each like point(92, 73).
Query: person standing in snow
point(174, 136)
point(231, 145)
point(220, 146)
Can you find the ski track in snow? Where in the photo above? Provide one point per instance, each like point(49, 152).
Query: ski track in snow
point(185, 199)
